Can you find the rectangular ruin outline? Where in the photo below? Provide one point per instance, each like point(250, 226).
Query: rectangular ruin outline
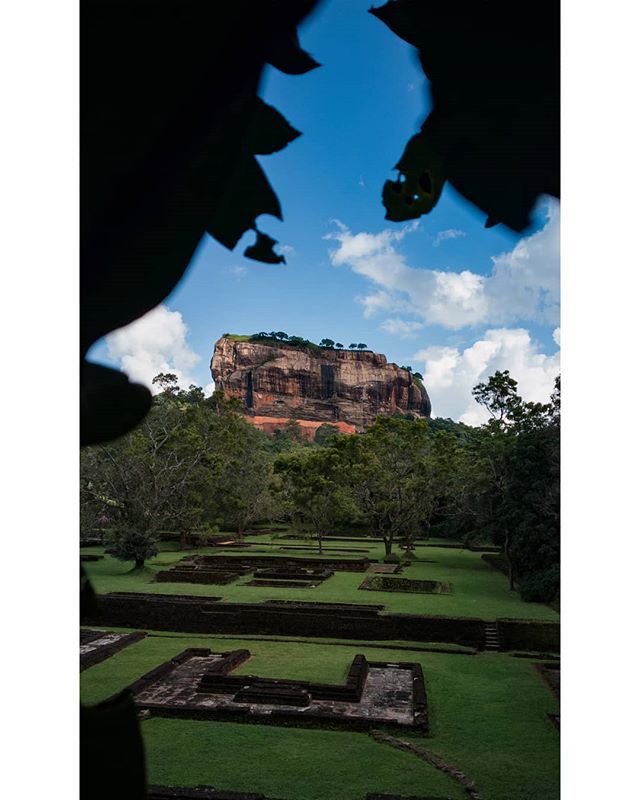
point(315, 718)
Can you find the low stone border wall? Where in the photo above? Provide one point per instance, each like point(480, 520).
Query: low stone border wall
point(383, 583)
point(308, 547)
point(205, 615)
point(541, 637)
point(252, 562)
point(283, 584)
point(202, 576)
point(217, 681)
point(326, 608)
point(93, 657)
point(286, 573)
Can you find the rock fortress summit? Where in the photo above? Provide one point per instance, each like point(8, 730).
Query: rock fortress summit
point(280, 380)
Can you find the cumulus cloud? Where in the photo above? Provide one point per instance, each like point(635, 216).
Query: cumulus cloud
point(523, 283)
point(406, 329)
point(157, 342)
point(450, 373)
point(443, 236)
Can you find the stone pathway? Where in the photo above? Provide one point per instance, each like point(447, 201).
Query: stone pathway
point(431, 758)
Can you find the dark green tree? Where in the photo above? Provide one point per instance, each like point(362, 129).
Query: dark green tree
point(129, 544)
point(313, 485)
point(388, 471)
point(512, 467)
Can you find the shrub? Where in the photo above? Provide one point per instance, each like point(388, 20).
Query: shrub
point(127, 544)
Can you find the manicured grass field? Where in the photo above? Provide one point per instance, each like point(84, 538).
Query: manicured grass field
point(488, 716)
point(478, 590)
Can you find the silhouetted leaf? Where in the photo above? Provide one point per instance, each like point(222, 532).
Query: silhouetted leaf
point(109, 404)
point(494, 80)
point(422, 171)
point(269, 131)
point(286, 55)
point(247, 195)
point(168, 94)
point(262, 250)
point(111, 751)
point(88, 603)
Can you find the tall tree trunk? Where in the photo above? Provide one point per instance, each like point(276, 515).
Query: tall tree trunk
point(139, 563)
point(507, 555)
point(388, 544)
point(183, 540)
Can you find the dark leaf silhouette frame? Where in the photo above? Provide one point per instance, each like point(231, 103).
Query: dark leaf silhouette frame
point(494, 129)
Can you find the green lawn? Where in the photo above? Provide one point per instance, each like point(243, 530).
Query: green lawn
point(285, 763)
point(487, 716)
point(478, 590)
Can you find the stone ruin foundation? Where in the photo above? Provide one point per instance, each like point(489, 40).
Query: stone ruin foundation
point(197, 684)
point(289, 572)
point(383, 583)
point(96, 646)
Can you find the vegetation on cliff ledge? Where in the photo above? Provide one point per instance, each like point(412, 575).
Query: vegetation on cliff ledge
point(279, 338)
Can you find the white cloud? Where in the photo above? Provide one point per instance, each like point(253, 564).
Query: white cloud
point(157, 342)
point(450, 233)
point(523, 283)
point(451, 373)
point(406, 329)
point(238, 271)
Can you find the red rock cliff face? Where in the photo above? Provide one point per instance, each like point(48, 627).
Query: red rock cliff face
point(334, 386)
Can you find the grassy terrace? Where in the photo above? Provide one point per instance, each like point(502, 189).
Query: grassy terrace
point(478, 590)
point(488, 716)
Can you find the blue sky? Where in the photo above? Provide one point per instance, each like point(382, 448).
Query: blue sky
point(447, 296)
